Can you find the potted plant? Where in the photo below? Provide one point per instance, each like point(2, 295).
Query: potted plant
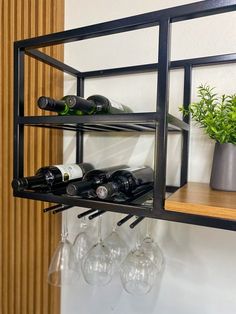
point(217, 116)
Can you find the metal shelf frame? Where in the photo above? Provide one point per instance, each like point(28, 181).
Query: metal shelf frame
point(159, 122)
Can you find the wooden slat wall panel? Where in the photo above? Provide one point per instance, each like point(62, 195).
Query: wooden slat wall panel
point(27, 236)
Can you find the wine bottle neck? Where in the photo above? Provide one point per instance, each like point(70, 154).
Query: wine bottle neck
point(47, 103)
point(28, 182)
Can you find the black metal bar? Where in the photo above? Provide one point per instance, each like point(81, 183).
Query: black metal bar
point(150, 118)
point(205, 61)
point(185, 134)
point(94, 128)
point(100, 212)
point(136, 222)
point(80, 134)
point(171, 188)
point(104, 128)
point(87, 212)
point(101, 128)
point(131, 209)
point(80, 85)
point(173, 121)
point(200, 9)
point(48, 209)
point(121, 128)
point(123, 220)
point(89, 203)
point(98, 128)
point(153, 67)
point(38, 55)
point(162, 108)
point(79, 147)
point(55, 126)
point(61, 209)
point(180, 13)
point(140, 192)
point(18, 161)
point(132, 127)
point(198, 220)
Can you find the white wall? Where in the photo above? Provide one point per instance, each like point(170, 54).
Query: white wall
point(199, 276)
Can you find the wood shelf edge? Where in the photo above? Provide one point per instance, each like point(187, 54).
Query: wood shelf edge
point(200, 199)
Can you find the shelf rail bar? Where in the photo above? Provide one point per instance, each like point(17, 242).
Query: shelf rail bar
point(18, 163)
point(176, 14)
point(162, 108)
point(80, 133)
point(135, 69)
point(185, 134)
point(38, 55)
point(153, 67)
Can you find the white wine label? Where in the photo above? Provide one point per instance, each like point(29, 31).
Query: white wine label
point(116, 104)
point(70, 171)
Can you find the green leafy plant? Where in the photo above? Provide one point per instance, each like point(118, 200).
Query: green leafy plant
point(215, 114)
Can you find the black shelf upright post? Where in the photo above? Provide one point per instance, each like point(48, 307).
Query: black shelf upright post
point(162, 108)
point(18, 167)
point(186, 118)
point(80, 134)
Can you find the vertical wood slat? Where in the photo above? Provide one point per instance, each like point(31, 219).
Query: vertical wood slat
point(27, 237)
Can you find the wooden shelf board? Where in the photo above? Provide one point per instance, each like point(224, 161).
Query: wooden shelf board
point(200, 199)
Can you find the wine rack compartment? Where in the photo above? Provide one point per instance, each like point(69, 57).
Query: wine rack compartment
point(159, 122)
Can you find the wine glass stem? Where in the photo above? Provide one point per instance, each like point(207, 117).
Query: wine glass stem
point(114, 225)
point(100, 229)
point(138, 237)
point(148, 235)
point(84, 223)
point(64, 234)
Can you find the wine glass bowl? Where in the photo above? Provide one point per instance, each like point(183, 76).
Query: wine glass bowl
point(62, 270)
point(97, 265)
point(83, 241)
point(81, 246)
point(153, 251)
point(137, 273)
point(118, 249)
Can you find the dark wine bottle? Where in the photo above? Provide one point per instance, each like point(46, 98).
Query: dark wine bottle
point(59, 106)
point(95, 104)
point(52, 177)
point(91, 180)
point(125, 182)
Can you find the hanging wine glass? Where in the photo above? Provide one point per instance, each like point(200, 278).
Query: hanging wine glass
point(151, 248)
point(117, 246)
point(137, 272)
point(97, 264)
point(82, 242)
point(63, 269)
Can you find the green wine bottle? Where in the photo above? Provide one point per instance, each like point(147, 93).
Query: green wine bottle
point(59, 106)
point(95, 104)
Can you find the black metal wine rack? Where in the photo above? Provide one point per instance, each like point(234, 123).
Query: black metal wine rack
point(160, 122)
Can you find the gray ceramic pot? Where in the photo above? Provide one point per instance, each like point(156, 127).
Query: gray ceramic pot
point(223, 173)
